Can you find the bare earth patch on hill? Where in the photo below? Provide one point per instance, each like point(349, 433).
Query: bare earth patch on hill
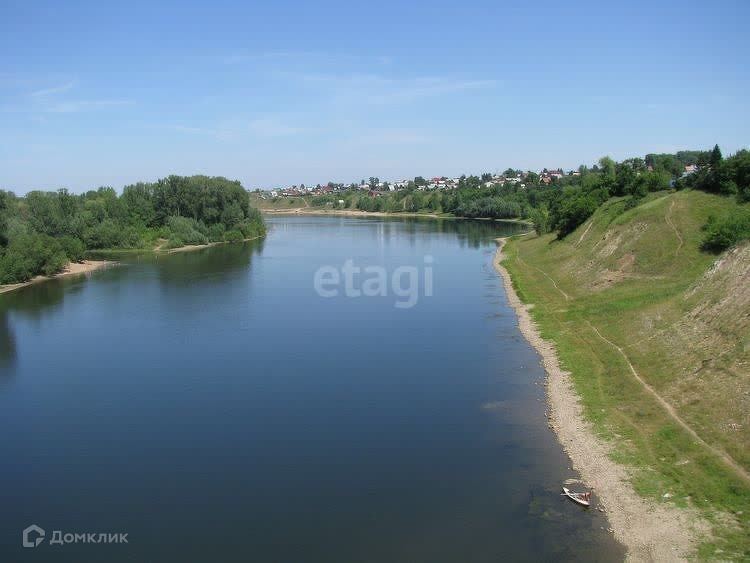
point(656, 335)
point(650, 531)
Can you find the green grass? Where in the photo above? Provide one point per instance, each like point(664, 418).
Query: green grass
point(277, 203)
point(644, 312)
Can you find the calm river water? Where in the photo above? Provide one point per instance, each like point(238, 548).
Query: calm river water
point(225, 405)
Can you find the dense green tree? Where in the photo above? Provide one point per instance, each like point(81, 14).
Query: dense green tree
point(741, 164)
point(5, 201)
point(139, 200)
point(31, 254)
point(532, 179)
point(540, 218)
point(574, 210)
point(625, 176)
point(42, 231)
point(726, 176)
point(607, 167)
point(716, 157)
point(636, 164)
point(45, 213)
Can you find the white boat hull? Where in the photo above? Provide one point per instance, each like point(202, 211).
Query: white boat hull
point(575, 497)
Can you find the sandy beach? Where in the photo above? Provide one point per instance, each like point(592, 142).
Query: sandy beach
point(159, 248)
point(649, 531)
point(72, 269)
point(348, 213)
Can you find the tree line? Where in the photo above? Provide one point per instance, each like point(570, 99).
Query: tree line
point(42, 231)
point(567, 201)
point(729, 177)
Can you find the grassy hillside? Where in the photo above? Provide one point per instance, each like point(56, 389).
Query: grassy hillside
point(277, 203)
point(656, 334)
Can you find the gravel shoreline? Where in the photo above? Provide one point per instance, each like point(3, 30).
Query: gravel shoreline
point(649, 531)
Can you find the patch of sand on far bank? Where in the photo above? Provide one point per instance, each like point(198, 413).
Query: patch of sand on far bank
point(347, 213)
point(649, 531)
point(360, 213)
point(159, 248)
point(72, 269)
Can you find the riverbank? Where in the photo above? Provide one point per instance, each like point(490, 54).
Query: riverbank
point(72, 269)
point(649, 531)
point(88, 266)
point(159, 248)
point(359, 213)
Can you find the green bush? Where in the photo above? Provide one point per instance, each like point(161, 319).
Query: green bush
point(131, 238)
point(723, 176)
point(233, 236)
point(727, 231)
point(576, 208)
point(54, 263)
point(175, 242)
point(74, 248)
point(186, 230)
point(540, 218)
point(216, 232)
point(107, 234)
point(632, 202)
point(490, 207)
point(29, 255)
point(252, 230)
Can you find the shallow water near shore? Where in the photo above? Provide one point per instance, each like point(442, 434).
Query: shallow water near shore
point(214, 406)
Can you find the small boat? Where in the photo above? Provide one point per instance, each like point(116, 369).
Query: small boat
point(581, 498)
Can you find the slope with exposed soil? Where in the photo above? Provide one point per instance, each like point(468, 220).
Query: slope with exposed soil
point(656, 335)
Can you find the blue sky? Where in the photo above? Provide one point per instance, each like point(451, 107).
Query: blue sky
point(273, 93)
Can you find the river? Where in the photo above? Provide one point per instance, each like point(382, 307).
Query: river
point(348, 389)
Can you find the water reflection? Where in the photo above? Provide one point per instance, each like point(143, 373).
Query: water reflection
point(7, 343)
point(36, 300)
point(211, 265)
point(179, 270)
point(471, 233)
point(33, 302)
point(213, 384)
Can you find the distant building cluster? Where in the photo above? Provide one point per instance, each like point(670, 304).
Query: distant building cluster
point(376, 187)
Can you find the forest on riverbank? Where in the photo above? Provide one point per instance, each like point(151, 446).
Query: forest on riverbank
point(42, 231)
point(569, 199)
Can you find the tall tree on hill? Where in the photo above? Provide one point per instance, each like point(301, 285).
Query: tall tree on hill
point(607, 166)
point(715, 156)
point(4, 204)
